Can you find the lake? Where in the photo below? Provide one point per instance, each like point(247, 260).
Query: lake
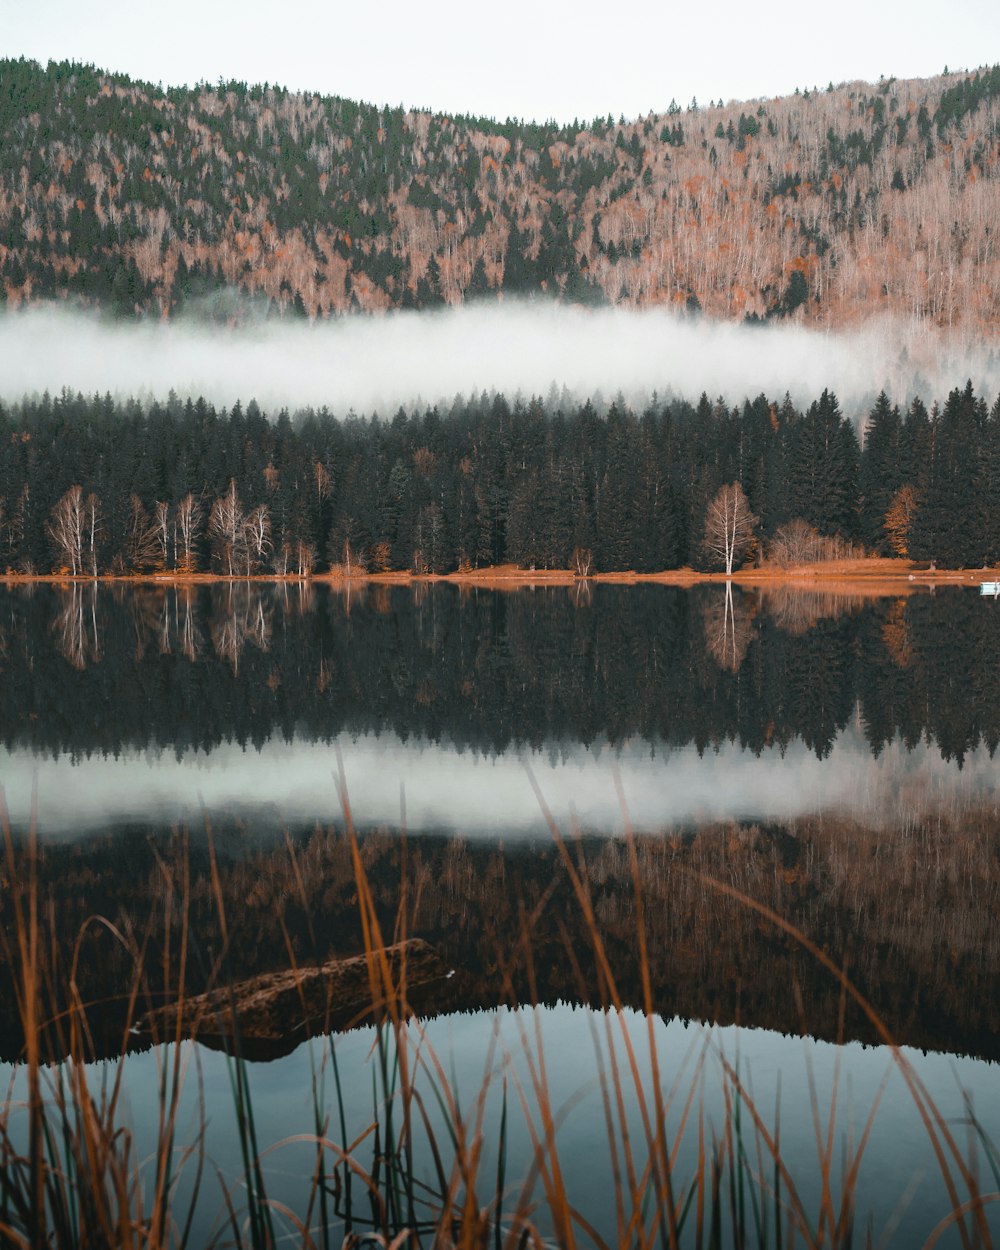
point(533, 774)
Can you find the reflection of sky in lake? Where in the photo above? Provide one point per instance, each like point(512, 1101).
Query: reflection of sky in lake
point(465, 792)
point(899, 1175)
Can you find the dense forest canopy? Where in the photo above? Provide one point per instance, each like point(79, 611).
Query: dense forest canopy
point(94, 486)
point(826, 206)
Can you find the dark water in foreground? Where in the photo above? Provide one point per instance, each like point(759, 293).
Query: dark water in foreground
point(828, 756)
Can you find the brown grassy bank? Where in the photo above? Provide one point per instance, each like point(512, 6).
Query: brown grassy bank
point(876, 575)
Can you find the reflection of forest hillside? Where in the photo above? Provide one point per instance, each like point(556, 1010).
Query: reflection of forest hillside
point(95, 670)
point(910, 912)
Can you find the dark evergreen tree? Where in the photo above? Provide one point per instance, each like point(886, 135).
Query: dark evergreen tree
point(882, 470)
point(942, 531)
point(822, 464)
point(986, 508)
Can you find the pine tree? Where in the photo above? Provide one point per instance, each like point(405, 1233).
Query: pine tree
point(986, 520)
point(881, 473)
point(822, 468)
point(943, 531)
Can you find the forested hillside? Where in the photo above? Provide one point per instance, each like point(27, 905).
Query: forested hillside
point(90, 486)
point(828, 206)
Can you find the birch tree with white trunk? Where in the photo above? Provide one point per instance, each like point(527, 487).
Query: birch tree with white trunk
point(225, 528)
point(729, 526)
point(65, 530)
point(187, 526)
point(256, 537)
point(93, 531)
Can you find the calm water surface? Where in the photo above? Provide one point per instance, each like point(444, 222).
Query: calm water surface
point(828, 755)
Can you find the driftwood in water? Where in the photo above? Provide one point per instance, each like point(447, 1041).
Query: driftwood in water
point(271, 1012)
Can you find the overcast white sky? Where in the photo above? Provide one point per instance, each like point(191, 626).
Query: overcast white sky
point(529, 58)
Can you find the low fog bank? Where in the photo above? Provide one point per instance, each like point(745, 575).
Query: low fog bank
point(469, 794)
point(378, 364)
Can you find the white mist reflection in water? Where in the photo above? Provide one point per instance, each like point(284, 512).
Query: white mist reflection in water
point(454, 791)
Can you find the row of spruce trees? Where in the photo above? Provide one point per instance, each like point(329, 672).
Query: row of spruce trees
point(94, 486)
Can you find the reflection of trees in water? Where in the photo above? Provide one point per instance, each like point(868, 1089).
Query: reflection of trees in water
point(348, 595)
point(508, 920)
point(380, 600)
point(728, 621)
point(299, 598)
point(75, 627)
point(149, 612)
point(896, 635)
point(165, 620)
point(797, 611)
point(241, 614)
point(204, 664)
point(189, 636)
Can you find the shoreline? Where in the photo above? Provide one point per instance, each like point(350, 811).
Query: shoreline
point(876, 575)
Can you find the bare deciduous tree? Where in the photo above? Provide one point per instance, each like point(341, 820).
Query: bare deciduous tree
point(225, 528)
point(321, 481)
point(12, 529)
point(65, 530)
point(188, 517)
point(256, 537)
point(797, 542)
point(429, 539)
point(282, 560)
point(141, 539)
point(583, 561)
point(160, 534)
point(93, 531)
point(305, 557)
point(729, 526)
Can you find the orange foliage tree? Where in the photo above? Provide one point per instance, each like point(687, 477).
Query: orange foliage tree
point(899, 519)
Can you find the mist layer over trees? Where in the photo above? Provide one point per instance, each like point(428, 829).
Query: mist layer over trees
point(91, 486)
point(377, 364)
point(828, 206)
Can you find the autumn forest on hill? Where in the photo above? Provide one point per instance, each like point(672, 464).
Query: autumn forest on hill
point(823, 208)
point(828, 206)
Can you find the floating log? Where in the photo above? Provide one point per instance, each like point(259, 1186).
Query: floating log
point(270, 1014)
